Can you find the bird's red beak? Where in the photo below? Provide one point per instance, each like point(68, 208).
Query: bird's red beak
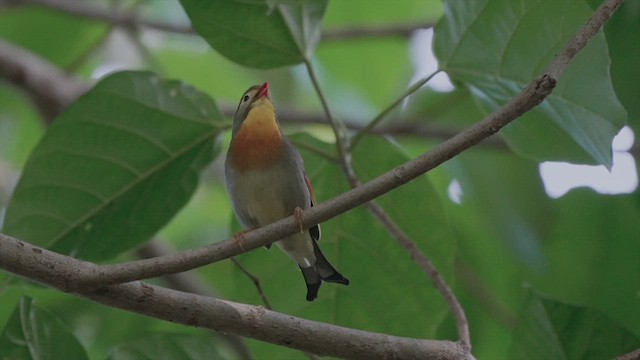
point(264, 90)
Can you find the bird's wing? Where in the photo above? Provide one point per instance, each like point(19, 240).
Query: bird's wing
point(314, 230)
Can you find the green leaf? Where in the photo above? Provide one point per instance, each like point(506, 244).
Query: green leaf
point(591, 254)
point(344, 14)
point(262, 34)
point(20, 127)
point(549, 329)
point(623, 36)
point(34, 333)
point(115, 167)
point(159, 346)
point(496, 47)
point(67, 39)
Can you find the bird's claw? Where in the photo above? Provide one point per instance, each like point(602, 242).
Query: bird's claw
point(239, 238)
point(298, 213)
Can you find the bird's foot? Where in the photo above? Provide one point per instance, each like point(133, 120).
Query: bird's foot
point(298, 213)
point(239, 237)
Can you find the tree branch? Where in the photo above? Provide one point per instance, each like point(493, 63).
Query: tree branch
point(60, 271)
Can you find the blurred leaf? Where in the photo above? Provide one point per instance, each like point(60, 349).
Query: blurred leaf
point(20, 127)
point(623, 36)
point(262, 34)
point(496, 47)
point(345, 14)
point(117, 165)
point(366, 74)
point(367, 81)
point(591, 254)
point(58, 37)
point(549, 329)
point(500, 223)
point(33, 333)
point(159, 346)
point(507, 193)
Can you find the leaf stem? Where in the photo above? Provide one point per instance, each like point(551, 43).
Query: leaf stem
point(378, 119)
point(339, 128)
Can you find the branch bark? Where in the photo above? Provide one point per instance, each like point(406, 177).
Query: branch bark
point(58, 271)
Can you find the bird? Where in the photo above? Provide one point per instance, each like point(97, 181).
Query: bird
point(266, 181)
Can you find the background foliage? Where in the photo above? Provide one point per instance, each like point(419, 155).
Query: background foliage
point(112, 171)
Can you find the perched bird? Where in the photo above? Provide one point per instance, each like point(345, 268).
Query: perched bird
point(266, 182)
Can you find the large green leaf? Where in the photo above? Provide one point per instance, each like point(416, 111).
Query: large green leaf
point(34, 333)
point(592, 252)
point(262, 34)
point(58, 37)
point(159, 346)
point(623, 36)
point(115, 167)
point(20, 127)
point(496, 47)
point(500, 225)
point(549, 329)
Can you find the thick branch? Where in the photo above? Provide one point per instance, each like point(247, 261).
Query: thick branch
point(59, 271)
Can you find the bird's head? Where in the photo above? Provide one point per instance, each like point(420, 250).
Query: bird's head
point(255, 99)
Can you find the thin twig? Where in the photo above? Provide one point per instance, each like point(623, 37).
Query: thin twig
point(315, 150)
point(392, 30)
point(256, 282)
point(482, 295)
point(383, 114)
point(462, 325)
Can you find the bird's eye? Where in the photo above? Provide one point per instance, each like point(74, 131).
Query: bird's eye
point(245, 98)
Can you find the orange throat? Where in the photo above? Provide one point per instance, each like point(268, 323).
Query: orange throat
point(258, 142)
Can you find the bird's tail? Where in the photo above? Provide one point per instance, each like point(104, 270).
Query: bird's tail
point(321, 271)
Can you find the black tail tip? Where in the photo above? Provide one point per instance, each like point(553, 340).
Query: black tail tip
point(312, 291)
point(336, 278)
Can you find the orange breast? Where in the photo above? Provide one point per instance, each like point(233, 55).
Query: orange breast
point(258, 142)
